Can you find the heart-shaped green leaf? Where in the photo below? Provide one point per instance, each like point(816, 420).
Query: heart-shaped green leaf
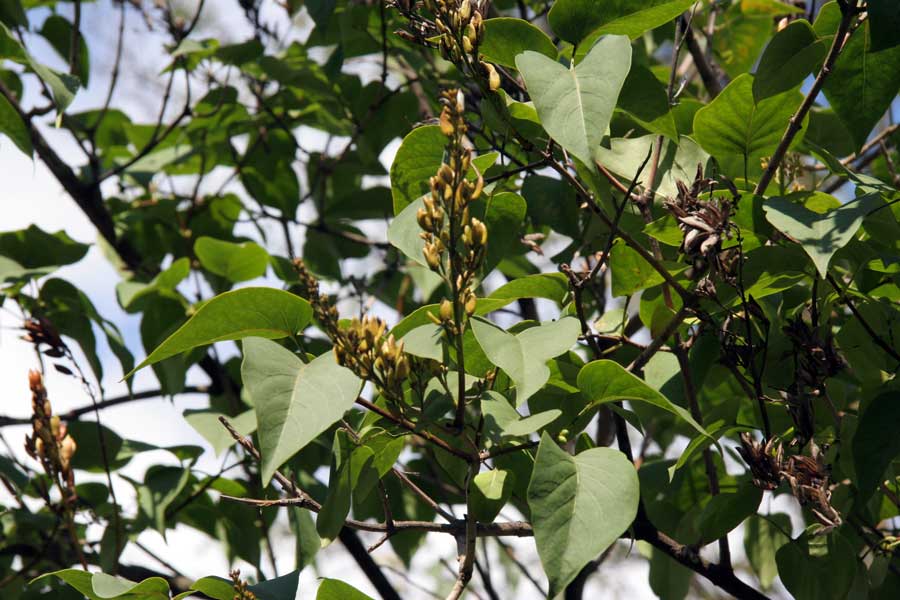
point(576, 104)
point(579, 505)
point(294, 402)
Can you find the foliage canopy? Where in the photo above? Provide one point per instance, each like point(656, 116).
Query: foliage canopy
point(584, 272)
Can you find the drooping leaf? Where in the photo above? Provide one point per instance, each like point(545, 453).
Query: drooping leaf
point(734, 124)
point(234, 315)
point(604, 381)
point(294, 402)
point(506, 37)
point(821, 235)
point(12, 126)
point(235, 262)
point(579, 506)
point(524, 356)
point(790, 56)
point(58, 31)
point(576, 104)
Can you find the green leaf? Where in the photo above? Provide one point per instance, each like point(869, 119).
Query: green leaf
point(279, 588)
point(677, 162)
point(34, 248)
point(733, 124)
point(876, 443)
point(506, 37)
point(763, 537)
point(572, 20)
point(234, 315)
point(501, 418)
point(108, 586)
point(669, 579)
point(579, 506)
point(524, 356)
point(58, 31)
point(62, 85)
point(294, 402)
point(603, 381)
point(235, 262)
point(821, 235)
point(351, 465)
point(817, 567)
point(792, 54)
point(863, 83)
point(214, 587)
point(489, 493)
point(576, 104)
point(206, 423)
point(403, 232)
point(334, 589)
point(425, 341)
point(644, 98)
point(630, 272)
point(99, 586)
point(417, 160)
point(503, 218)
point(884, 16)
point(12, 125)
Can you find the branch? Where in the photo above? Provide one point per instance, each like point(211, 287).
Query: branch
point(847, 14)
point(719, 575)
point(76, 413)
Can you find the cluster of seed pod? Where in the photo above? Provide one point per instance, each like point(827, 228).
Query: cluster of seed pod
point(455, 241)
point(360, 346)
point(790, 173)
point(705, 224)
point(460, 27)
point(49, 441)
point(808, 477)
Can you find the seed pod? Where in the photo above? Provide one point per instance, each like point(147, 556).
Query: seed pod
point(467, 45)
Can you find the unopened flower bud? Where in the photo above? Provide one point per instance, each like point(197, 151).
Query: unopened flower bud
point(446, 310)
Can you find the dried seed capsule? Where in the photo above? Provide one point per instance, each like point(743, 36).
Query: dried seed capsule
point(446, 310)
